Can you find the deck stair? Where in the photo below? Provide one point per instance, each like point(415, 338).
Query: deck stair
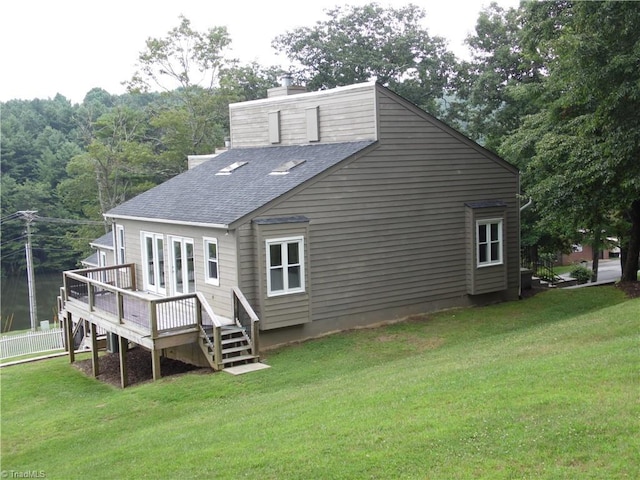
point(235, 347)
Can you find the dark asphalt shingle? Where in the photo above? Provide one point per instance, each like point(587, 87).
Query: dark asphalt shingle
point(200, 196)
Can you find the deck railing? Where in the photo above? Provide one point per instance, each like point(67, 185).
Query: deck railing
point(110, 291)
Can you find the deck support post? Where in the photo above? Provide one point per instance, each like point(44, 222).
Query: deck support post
point(94, 350)
point(155, 365)
point(71, 343)
point(217, 346)
point(123, 346)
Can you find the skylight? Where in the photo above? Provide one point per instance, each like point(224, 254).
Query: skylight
point(286, 167)
point(231, 168)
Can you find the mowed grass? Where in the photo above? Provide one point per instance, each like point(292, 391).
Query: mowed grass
point(542, 388)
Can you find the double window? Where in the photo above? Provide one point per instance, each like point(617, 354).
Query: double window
point(489, 242)
point(285, 265)
point(211, 266)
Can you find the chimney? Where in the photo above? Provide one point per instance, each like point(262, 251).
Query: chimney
point(286, 80)
point(287, 87)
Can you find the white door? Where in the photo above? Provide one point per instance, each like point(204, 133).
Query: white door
point(183, 275)
point(153, 251)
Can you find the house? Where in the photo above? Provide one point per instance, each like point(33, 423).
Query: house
point(329, 210)
point(103, 254)
point(584, 253)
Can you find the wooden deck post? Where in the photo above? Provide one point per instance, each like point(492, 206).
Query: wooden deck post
point(155, 365)
point(217, 346)
point(69, 337)
point(94, 350)
point(123, 346)
point(255, 340)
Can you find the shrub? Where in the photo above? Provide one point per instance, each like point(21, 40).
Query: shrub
point(580, 273)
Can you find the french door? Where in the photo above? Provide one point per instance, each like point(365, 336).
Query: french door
point(153, 250)
point(183, 275)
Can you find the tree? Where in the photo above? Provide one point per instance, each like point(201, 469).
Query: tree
point(362, 43)
point(186, 66)
point(248, 82)
point(584, 140)
point(113, 166)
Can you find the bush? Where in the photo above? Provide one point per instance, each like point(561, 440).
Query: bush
point(580, 273)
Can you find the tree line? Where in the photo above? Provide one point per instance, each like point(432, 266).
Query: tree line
point(552, 87)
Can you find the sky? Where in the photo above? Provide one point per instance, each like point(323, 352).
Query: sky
point(71, 46)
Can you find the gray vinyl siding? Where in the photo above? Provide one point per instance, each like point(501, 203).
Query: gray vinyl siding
point(389, 230)
point(343, 116)
point(219, 297)
point(490, 278)
point(282, 310)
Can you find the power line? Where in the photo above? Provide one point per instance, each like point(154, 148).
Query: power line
point(33, 217)
point(13, 216)
point(67, 220)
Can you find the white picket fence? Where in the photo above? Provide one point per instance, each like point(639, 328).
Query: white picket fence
point(31, 342)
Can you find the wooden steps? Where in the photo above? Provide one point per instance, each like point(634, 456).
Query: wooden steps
point(236, 348)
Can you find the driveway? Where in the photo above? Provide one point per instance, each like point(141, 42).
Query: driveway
point(609, 271)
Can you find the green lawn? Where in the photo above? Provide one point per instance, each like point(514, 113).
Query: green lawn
point(543, 388)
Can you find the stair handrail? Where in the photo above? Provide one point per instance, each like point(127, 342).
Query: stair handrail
point(205, 305)
point(216, 345)
point(217, 354)
point(255, 321)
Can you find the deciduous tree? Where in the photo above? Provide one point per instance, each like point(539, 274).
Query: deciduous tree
point(369, 42)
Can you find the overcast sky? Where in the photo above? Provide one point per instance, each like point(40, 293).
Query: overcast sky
point(72, 46)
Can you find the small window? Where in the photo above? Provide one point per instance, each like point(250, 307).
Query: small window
point(120, 252)
point(489, 242)
point(211, 265)
point(285, 266)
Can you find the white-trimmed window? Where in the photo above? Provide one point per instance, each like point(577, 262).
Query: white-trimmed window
point(211, 265)
point(285, 265)
point(489, 242)
point(153, 262)
point(120, 252)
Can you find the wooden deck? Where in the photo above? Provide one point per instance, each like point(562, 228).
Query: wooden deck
point(107, 300)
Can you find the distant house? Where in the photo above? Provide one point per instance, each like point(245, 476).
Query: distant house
point(103, 254)
point(330, 210)
point(584, 253)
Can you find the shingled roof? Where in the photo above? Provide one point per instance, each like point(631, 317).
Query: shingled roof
point(199, 196)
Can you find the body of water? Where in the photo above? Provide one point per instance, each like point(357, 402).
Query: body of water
point(15, 299)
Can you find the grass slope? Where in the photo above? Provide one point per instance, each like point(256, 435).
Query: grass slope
point(541, 388)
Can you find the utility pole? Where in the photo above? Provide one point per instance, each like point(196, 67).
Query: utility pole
point(29, 216)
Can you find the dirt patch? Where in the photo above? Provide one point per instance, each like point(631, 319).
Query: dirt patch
point(631, 289)
point(139, 369)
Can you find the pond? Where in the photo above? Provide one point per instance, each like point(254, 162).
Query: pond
point(15, 300)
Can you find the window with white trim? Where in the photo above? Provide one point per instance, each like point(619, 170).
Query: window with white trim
point(285, 265)
point(120, 252)
point(211, 265)
point(489, 242)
